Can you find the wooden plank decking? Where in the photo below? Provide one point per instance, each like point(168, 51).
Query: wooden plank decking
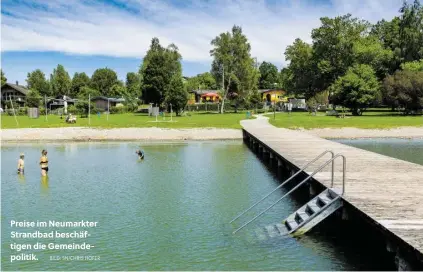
point(388, 190)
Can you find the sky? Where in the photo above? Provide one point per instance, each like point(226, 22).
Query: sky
point(84, 35)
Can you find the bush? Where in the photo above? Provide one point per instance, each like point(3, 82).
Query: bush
point(120, 109)
point(72, 109)
point(23, 111)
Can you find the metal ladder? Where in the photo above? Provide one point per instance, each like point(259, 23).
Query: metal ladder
point(302, 220)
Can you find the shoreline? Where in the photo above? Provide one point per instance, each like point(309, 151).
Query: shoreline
point(83, 134)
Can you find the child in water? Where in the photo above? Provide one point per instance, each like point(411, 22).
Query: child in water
point(140, 154)
point(21, 164)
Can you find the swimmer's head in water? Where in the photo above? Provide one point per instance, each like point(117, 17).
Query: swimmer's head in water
point(22, 156)
point(44, 152)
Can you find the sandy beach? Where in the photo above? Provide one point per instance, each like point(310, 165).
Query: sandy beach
point(151, 134)
point(117, 134)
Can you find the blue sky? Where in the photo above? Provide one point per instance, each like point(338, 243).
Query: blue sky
point(84, 35)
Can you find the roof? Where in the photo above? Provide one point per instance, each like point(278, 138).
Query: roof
point(269, 90)
point(23, 90)
point(204, 91)
point(111, 99)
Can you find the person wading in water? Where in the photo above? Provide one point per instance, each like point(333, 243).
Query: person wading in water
point(44, 163)
point(140, 154)
point(21, 164)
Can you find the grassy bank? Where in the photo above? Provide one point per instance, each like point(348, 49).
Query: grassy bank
point(369, 120)
point(195, 120)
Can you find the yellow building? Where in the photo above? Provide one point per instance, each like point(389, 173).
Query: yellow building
point(275, 95)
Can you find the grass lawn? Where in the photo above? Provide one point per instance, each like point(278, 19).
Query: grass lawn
point(227, 120)
point(372, 119)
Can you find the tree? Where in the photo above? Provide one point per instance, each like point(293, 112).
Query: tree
point(357, 89)
point(413, 66)
point(103, 79)
point(333, 47)
point(33, 99)
point(60, 81)
point(268, 76)
point(118, 90)
point(233, 62)
point(177, 95)
point(133, 84)
point(3, 78)
point(86, 92)
point(410, 31)
point(159, 66)
point(404, 89)
point(204, 81)
point(368, 50)
point(254, 99)
point(79, 80)
point(300, 75)
point(36, 81)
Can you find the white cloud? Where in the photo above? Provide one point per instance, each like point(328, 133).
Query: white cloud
point(81, 27)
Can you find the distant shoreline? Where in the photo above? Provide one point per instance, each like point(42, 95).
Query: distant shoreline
point(82, 134)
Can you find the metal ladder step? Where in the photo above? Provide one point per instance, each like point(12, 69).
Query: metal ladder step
point(271, 231)
point(291, 224)
point(301, 216)
point(312, 208)
point(323, 200)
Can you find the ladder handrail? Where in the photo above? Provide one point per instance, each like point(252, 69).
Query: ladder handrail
point(299, 184)
point(290, 178)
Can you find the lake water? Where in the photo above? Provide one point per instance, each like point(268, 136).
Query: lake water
point(404, 149)
point(168, 212)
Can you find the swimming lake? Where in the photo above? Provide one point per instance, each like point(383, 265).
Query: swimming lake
point(170, 211)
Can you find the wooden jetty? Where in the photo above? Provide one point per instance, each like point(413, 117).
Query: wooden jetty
point(388, 191)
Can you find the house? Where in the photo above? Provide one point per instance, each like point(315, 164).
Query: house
point(60, 101)
point(200, 96)
point(104, 103)
point(273, 95)
point(14, 92)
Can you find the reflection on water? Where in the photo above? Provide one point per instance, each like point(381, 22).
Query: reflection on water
point(21, 179)
point(169, 211)
point(44, 185)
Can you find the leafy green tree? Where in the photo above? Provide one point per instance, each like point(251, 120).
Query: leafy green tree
point(299, 77)
point(3, 78)
point(357, 89)
point(36, 81)
point(85, 92)
point(133, 84)
point(60, 81)
point(79, 80)
point(204, 81)
point(268, 76)
point(159, 66)
point(333, 47)
point(413, 66)
point(369, 50)
point(254, 99)
point(103, 79)
point(233, 62)
point(411, 31)
point(118, 90)
point(33, 99)
point(177, 95)
point(404, 89)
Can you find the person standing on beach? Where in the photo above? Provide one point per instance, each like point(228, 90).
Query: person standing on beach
point(44, 163)
point(21, 164)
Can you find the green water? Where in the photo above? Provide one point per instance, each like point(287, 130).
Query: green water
point(168, 212)
point(404, 149)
